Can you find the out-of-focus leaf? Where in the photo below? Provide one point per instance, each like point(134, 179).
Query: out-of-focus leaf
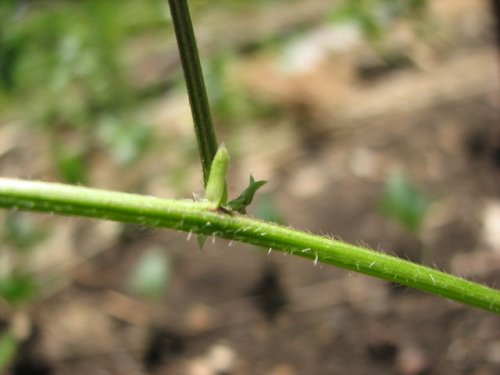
point(9, 57)
point(151, 275)
point(267, 209)
point(12, 44)
point(201, 239)
point(72, 165)
point(8, 348)
point(363, 13)
point(403, 202)
point(127, 141)
point(21, 231)
point(18, 288)
point(374, 16)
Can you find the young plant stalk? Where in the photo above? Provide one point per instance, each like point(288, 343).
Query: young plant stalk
point(216, 192)
point(198, 99)
point(200, 218)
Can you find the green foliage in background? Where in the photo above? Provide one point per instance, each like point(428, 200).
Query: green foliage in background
point(68, 61)
point(404, 202)
point(375, 16)
point(19, 237)
point(21, 232)
point(65, 66)
point(9, 345)
point(18, 289)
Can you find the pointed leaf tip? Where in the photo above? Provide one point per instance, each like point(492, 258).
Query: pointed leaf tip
point(246, 197)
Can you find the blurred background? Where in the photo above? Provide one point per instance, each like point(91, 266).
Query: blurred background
point(374, 121)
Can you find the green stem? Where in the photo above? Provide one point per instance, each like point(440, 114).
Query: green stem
point(200, 108)
point(198, 217)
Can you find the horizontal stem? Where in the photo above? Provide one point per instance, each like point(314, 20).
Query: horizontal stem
point(199, 217)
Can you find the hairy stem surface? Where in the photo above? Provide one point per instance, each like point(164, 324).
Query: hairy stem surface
point(200, 218)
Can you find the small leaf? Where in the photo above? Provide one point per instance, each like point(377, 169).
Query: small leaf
point(403, 202)
point(216, 191)
point(71, 164)
point(18, 288)
point(9, 345)
point(243, 201)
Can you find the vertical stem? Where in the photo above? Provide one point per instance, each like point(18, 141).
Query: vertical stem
point(200, 108)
